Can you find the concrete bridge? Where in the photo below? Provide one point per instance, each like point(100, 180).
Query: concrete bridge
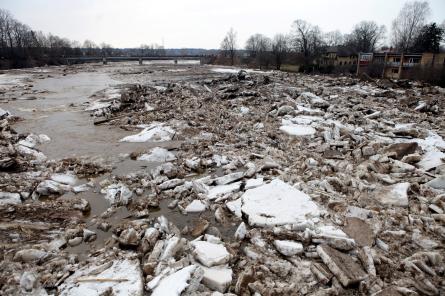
point(105, 60)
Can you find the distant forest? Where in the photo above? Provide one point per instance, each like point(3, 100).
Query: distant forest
point(21, 46)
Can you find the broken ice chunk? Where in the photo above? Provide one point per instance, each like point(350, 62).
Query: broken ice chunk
point(122, 277)
point(288, 248)
point(277, 203)
point(9, 198)
point(235, 207)
point(216, 191)
point(158, 155)
point(174, 284)
point(394, 195)
point(217, 278)
point(210, 254)
point(195, 206)
point(117, 194)
point(253, 183)
point(298, 130)
point(68, 179)
point(230, 178)
point(156, 132)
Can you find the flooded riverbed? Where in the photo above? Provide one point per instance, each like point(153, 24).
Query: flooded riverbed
point(53, 102)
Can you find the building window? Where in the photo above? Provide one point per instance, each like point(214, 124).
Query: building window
point(397, 60)
point(395, 71)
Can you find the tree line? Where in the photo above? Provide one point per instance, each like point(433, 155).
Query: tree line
point(410, 32)
point(21, 46)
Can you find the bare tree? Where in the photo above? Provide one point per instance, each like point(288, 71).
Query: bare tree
point(333, 38)
point(307, 39)
point(106, 49)
point(280, 48)
point(258, 43)
point(365, 36)
point(90, 47)
point(408, 24)
point(228, 45)
point(259, 48)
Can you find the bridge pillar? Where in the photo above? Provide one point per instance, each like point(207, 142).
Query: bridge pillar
point(140, 61)
point(104, 61)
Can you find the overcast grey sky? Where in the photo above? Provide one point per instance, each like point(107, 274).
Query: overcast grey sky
point(197, 23)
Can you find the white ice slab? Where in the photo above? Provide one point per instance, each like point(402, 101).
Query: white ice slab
point(298, 130)
point(277, 203)
point(437, 183)
point(117, 193)
point(158, 154)
point(216, 191)
point(229, 178)
point(302, 119)
point(217, 278)
point(210, 254)
point(288, 248)
point(196, 206)
point(38, 156)
point(123, 277)
point(244, 110)
point(241, 231)
point(235, 207)
point(156, 132)
point(431, 159)
point(432, 146)
point(9, 198)
point(174, 284)
point(253, 183)
point(68, 179)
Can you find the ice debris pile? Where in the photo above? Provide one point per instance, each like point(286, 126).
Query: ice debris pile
point(280, 184)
